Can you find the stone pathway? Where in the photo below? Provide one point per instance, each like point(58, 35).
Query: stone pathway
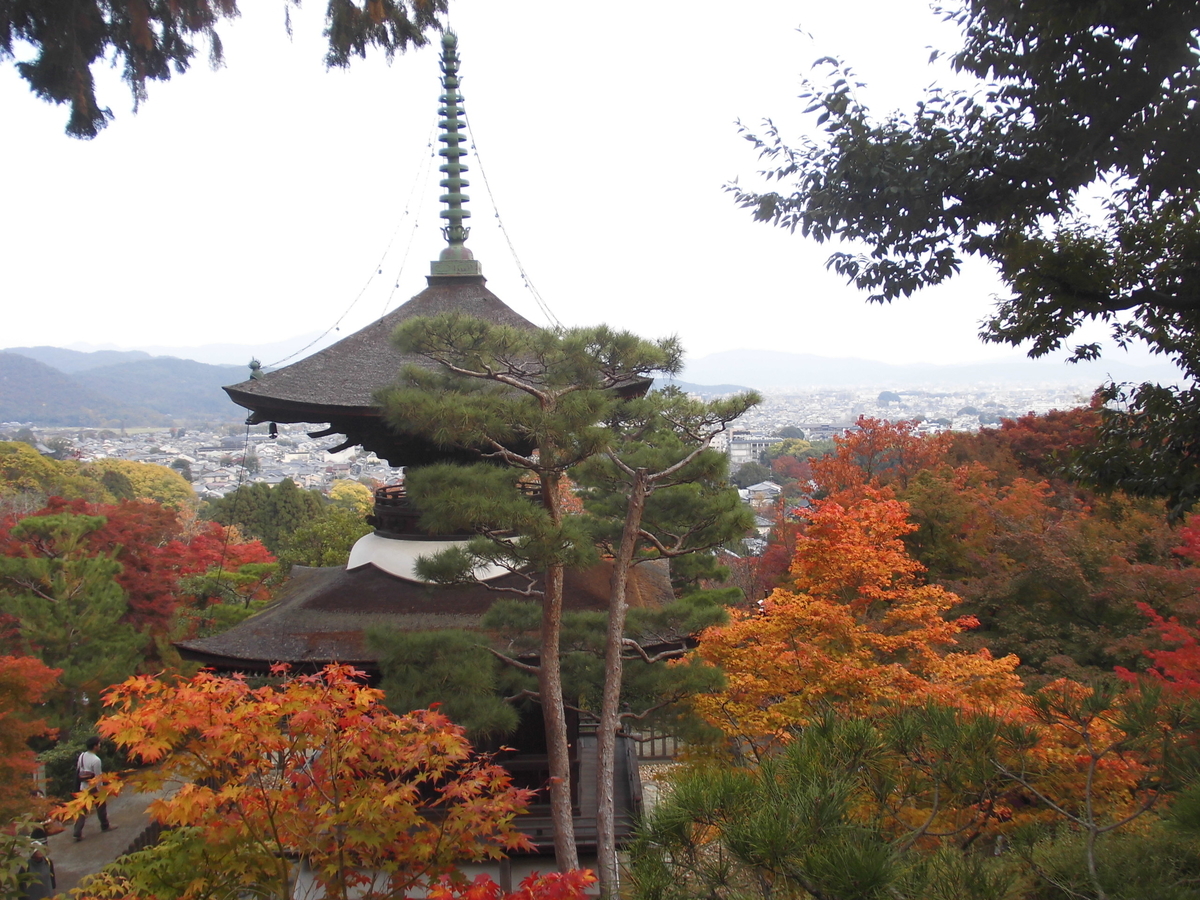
point(75, 859)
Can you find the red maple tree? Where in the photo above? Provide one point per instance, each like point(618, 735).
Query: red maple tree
point(156, 546)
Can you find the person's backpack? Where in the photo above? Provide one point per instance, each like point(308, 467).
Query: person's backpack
point(82, 775)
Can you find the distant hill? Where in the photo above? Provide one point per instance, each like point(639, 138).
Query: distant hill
point(777, 371)
point(236, 354)
point(127, 387)
point(72, 361)
point(704, 390)
point(173, 387)
point(31, 391)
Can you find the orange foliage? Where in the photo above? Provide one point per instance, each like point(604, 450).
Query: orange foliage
point(24, 681)
point(316, 767)
point(878, 454)
point(571, 885)
point(858, 627)
point(1043, 442)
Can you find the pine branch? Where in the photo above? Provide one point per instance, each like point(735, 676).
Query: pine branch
point(658, 657)
point(514, 662)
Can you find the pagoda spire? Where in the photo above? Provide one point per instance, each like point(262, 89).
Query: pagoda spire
point(455, 259)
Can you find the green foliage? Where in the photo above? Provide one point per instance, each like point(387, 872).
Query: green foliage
point(750, 473)
point(505, 391)
point(221, 600)
point(651, 690)
point(827, 818)
point(60, 760)
point(1147, 445)
point(166, 869)
point(70, 608)
point(1075, 100)
point(147, 481)
point(797, 447)
point(153, 41)
point(660, 450)
point(118, 484)
point(1135, 865)
point(17, 845)
point(25, 472)
point(522, 533)
point(452, 670)
point(268, 513)
point(352, 495)
point(324, 541)
point(544, 403)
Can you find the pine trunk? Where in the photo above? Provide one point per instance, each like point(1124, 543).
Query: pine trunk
point(566, 853)
point(550, 686)
point(610, 704)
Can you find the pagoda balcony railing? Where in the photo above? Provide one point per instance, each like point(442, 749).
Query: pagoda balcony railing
point(395, 514)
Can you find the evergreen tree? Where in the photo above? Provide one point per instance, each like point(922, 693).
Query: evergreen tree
point(70, 606)
point(323, 541)
point(268, 513)
point(659, 492)
point(536, 403)
point(450, 668)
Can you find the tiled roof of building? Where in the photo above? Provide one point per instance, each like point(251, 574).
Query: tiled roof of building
point(345, 376)
point(323, 614)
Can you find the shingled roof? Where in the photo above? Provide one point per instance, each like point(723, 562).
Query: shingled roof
point(323, 614)
point(337, 385)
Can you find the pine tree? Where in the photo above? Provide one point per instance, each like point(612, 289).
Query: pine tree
point(533, 405)
point(70, 606)
point(659, 492)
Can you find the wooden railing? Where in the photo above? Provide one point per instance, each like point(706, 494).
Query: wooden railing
point(655, 745)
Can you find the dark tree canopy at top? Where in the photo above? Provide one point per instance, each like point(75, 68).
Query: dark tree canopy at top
point(1074, 170)
point(149, 39)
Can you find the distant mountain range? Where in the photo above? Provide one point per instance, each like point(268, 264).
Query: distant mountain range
point(59, 386)
point(775, 372)
point(227, 354)
point(111, 388)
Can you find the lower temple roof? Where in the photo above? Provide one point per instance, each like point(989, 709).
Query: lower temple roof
point(323, 614)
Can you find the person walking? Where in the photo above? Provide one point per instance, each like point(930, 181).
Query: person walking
point(89, 768)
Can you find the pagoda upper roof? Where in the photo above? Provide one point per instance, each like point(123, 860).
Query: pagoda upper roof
point(337, 385)
point(342, 379)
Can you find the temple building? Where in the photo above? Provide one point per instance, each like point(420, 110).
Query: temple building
point(323, 614)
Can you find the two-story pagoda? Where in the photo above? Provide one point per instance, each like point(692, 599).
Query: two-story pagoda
point(323, 614)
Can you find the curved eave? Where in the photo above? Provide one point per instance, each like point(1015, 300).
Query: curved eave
point(276, 409)
point(222, 663)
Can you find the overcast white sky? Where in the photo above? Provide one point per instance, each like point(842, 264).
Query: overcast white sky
point(253, 204)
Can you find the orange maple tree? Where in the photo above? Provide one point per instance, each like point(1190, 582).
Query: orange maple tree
point(24, 681)
point(313, 772)
point(859, 635)
point(878, 454)
point(857, 627)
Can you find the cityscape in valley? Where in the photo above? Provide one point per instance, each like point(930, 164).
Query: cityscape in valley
point(211, 453)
